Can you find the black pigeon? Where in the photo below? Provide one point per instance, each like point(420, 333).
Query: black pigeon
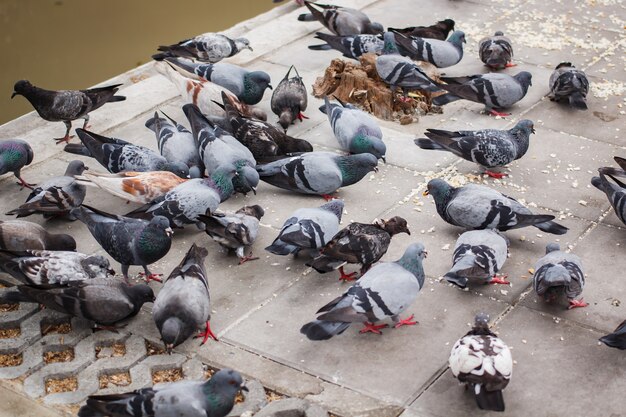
point(615, 191)
point(439, 30)
point(289, 99)
point(617, 339)
point(66, 105)
point(128, 241)
point(352, 46)
point(496, 51)
point(15, 154)
point(358, 243)
point(569, 85)
point(20, 235)
point(342, 21)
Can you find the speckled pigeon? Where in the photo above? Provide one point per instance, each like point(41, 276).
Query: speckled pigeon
point(289, 99)
point(569, 85)
point(209, 47)
point(320, 173)
point(494, 90)
point(176, 143)
point(496, 51)
point(342, 21)
point(475, 206)
point(308, 229)
point(358, 243)
point(617, 339)
point(57, 196)
point(236, 230)
point(66, 105)
point(384, 292)
point(478, 255)
point(184, 304)
point(213, 398)
point(559, 273)
point(356, 131)
point(483, 361)
point(15, 154)
point(352, 46)
point(439, 30)
point(20, 235)
point(117, 155)
point(615, 192)
point(489, 148)
point(441, 54)
point(128, 241)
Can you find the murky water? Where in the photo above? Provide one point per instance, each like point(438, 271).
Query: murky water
point(72, 44)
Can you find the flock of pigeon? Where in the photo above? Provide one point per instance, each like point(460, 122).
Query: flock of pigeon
point(229, 147)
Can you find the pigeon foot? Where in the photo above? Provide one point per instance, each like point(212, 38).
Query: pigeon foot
point(328, 197)
point(301, 116)
point(346, 277)
point(372, 328)
point(65, 139)
point(247, 258)
point(499, 280)
point(207, 333)
point(23, 184)
point(492, 112)
point(498, 175)
point(577, 304)
point(151, 277)
point(406, 322)
point(510, 64)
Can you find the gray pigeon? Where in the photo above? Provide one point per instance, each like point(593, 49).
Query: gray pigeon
point(352, 46)
point(384, 292)
point(494, 90)
point(209, 47)
point(496, 51)
point(176, 143)
point(57, 196)
point(475, 206)
point(615, 192)
point(559, 273)
point(41, 267)
point(308, 229)
point(66, 105)
point(15, 154)
point(184, 304)
point(320, 173)
point(569, 85)
point(479, 255)
point(128, 241)
point(342, 21)
point(117, 155)
point(218, 149)
point(441, 54)
point(248, 86)
point(617, 339)
point(20, 235)
point(236, 230)
point(439, 30)
point(356, 131)
point(483, 361)
point(289, 99)
point(488, 148)
point(213, 398)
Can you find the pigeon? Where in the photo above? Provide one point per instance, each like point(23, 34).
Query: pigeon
point(117, 155)
point(479, 255)
point(213, 398)
point(248, 86)
point(356, 131)
point(478, 207)
point(66, 105)
point(210, 47)
point(483, 361)
point(320, 173)
point(176, 143)
point(352, 46)
point(342, 21)
point(494, 90)
point(559, 273)
point(617, 339)
point(569, 85)
point(358, 243)
point(308, 229)
point(496, 51)
point(15, 154)
point(439, 30)
point(184, 203)
point(236, 230)
point(183, 304)
point(441, 54)
point(218, 149)
point(128, 241)
point(42, 267)
point(138, 187)
point(615, 192)
point(384, 292)
point(399, 71)
point(57, 196)
point(289, 99)
point(489, 148)
point(20, 235)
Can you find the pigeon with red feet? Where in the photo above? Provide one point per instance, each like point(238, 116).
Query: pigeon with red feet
point(208, 47)
point(439, 30)
point(441, 54)
point(384, 292)
point(496, 51)
point(15, 154)
point(352, 46)
point(342, 21)
point(289, 99)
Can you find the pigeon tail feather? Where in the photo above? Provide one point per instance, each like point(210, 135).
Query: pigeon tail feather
point(488, 400)
point(577, 101)
point(323, 330)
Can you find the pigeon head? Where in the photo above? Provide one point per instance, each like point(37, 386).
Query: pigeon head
point(75, 168)
point(525, 80)
point(226, 383)
point(481, 321)
point(162, 223)
point(254, 211)
point(97, 266)
point(242, 43)
point(255, 83)
point(195, 172)
point(140, 294)
point(412, 260)
point(285, 119)
point(447, 24)
point(457, 38)
point(565, 65)
point(335, 206)
point(363, 143)
point(22, 87)
point(60, 242)
point(526, 126)
point(552, 247)
point(498, 33)
point(390, 47)
point(354, 167)
point(174, 332)
point(374, 28)
point(438, 188)
point(396, 225)
point(179, 168)
point(246, 180)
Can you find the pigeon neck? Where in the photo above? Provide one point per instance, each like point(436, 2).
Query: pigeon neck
point(222, 183)
point(217, 400)
point(351, 173)
point(414, 265)
point(481, 331)
point(153, 243)
point(252, 92)
point(442, 197)
point(361, 143)
point(522, 141)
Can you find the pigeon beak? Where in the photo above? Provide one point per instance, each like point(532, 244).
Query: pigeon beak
point(532, 129)
point(169, 232)
point(384, 159)
point(249, 47)
point(14, 94)
point(244, 388)
point(270, 86)
point(111, 271)
point(254, 190)
point(375, 169)
point(169, 348)
point(425, 254)
point(86, 168)
point(425, 193)
point(408, 232)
